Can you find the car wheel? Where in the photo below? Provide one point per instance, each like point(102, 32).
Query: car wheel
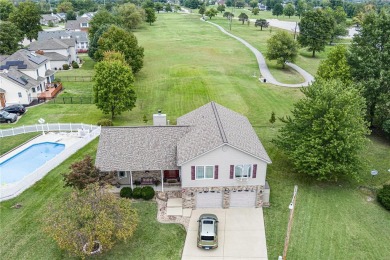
point(18, 113)
point(8, 121)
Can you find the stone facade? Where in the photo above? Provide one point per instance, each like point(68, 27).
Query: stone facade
point(189, 194)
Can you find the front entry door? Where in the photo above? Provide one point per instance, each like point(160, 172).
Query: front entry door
point(2, 100)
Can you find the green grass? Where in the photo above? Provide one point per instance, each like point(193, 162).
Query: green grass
point(6, 144)
point(190, 64)
point(21, 229)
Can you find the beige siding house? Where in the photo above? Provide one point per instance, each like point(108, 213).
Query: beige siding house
point(213, 156)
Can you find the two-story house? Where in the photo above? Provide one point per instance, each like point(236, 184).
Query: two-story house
point(23, 76)
point(213, 154)
point(59, 51)
point(82, 41)
point(80, 24)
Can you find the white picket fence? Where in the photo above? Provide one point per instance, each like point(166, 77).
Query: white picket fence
point(56, 127)
point(9, 191)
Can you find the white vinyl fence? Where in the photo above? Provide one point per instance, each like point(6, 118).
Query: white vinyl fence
point(9, 191)
point(57, 127)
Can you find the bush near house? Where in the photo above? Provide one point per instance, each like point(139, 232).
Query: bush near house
point(126, 192)
point(65, 66)
point(75, 65)
point(137, 193)
point(147, 193)
point(105, 122)
point(384, 196)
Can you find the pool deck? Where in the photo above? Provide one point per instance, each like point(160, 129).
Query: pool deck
point(68, 139)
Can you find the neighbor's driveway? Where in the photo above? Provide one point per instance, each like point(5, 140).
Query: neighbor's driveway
point(241, 235)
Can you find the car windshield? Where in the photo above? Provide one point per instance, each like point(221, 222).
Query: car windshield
point(4, 113)
point(208, 222)
point(207, 238)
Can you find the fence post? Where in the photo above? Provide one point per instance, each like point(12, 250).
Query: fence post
point(13, 133)
point(70, 124)
point(59, 127)
point(47, 125)
point(24, 129)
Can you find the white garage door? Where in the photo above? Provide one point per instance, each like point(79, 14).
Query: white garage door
point(209, 200)
point(242, 199)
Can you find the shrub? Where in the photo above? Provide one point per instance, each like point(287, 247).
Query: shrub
point(50, 24)
point(126, 192)
point(75, 65)
point(137, 193)
point(105, 122)
point(384, 196)
point(147, 193)
point(65, 66)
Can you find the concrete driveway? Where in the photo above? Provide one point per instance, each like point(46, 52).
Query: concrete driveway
point(241, 235)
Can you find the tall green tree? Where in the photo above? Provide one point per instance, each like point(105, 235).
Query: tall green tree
point(211, 13)
point(102, 17)
point(255, 11)
point(282, 48)
point(150, 15)
point(148, 4)
point(335, 66)
point(88, 218)
point(27, 18)
point(253, 3)
point(243, 17)
point(339, 19)
point(113, 88)
point(326, 132)
point(71, 15)
point(65, 7)
point(129, 15)
point(262, 23)
point(120, 40)
point(93, 44)
point(10, 36)
point(221, 8)
point(277, 10)
point(158, 6)
point(6, 8)
point(202, 10)
point(315, 30)
point(168, 8)
point(289, 10)
point(369, 59)
point(301, 7)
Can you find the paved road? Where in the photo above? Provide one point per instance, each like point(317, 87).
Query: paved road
point(264, 68)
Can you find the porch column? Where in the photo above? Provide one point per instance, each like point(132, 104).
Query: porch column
point(162, 181)
point(131, 180)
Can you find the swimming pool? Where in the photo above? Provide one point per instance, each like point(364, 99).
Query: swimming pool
point(27, 161)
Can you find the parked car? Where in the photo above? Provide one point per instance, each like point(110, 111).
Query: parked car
point(208, 231)
point(7, 117)
point(16, 109)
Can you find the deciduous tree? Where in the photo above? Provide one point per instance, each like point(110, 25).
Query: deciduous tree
point(335, 66)
point(301, 7)
point(277, 10)
point(65, 7)
point(113, 88)
point(255, 11)
point(158, 6)
point(253, 3)
point(90, 217)
point(221, 8)
point(129, 15)
point(282, 48)
point(327, 131)
point(370, 65)
point(211, 13)
point(6, 8)
point(10, 36)
point(315, 30)
point(150, 15)
point(118, 39)
point(202, 10)
point(262, 23)
point(102, 17)
point(289, 10)
point(243, 17)
point(71, 15)
point(27, 18)
point(84, 173)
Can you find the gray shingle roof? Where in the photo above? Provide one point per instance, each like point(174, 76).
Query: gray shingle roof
point(2, 90)
point(80, 36)
point(52, 44)
point(213, 125)
point(19, 78)
point(56, 56)
point(139, 148)
point(75, 24)
point(32, 60)
point(49, 17)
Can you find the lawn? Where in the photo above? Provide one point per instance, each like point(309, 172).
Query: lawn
point(189, 65)
point(6, 144)
point(21, 229)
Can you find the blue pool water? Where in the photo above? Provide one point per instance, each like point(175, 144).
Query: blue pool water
point(27, 161)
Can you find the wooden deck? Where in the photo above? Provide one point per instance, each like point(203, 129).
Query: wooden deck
point(51, 91)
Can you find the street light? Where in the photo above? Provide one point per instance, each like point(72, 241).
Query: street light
point(42, 121)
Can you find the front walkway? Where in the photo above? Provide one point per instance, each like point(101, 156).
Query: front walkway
point(241, 235)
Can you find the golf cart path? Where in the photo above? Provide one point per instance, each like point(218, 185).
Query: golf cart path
point(263, 65)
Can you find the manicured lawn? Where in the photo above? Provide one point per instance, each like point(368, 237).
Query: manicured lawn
point(21, 229)
point(189, 65)
point(11, 142)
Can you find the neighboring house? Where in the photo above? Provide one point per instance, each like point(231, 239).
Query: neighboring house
point(51, 47)
point(262, 7)
point(23, 76)
point(81, 24)
point(61, 16)
point(89, 15)
point(82, 42)
point(213, 155)
point(46, 18)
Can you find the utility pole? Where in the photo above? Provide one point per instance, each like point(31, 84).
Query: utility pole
point(290, 220)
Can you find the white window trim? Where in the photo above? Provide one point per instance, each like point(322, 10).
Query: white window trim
point(204, 172)
point(119, 177)
point(243, 178)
